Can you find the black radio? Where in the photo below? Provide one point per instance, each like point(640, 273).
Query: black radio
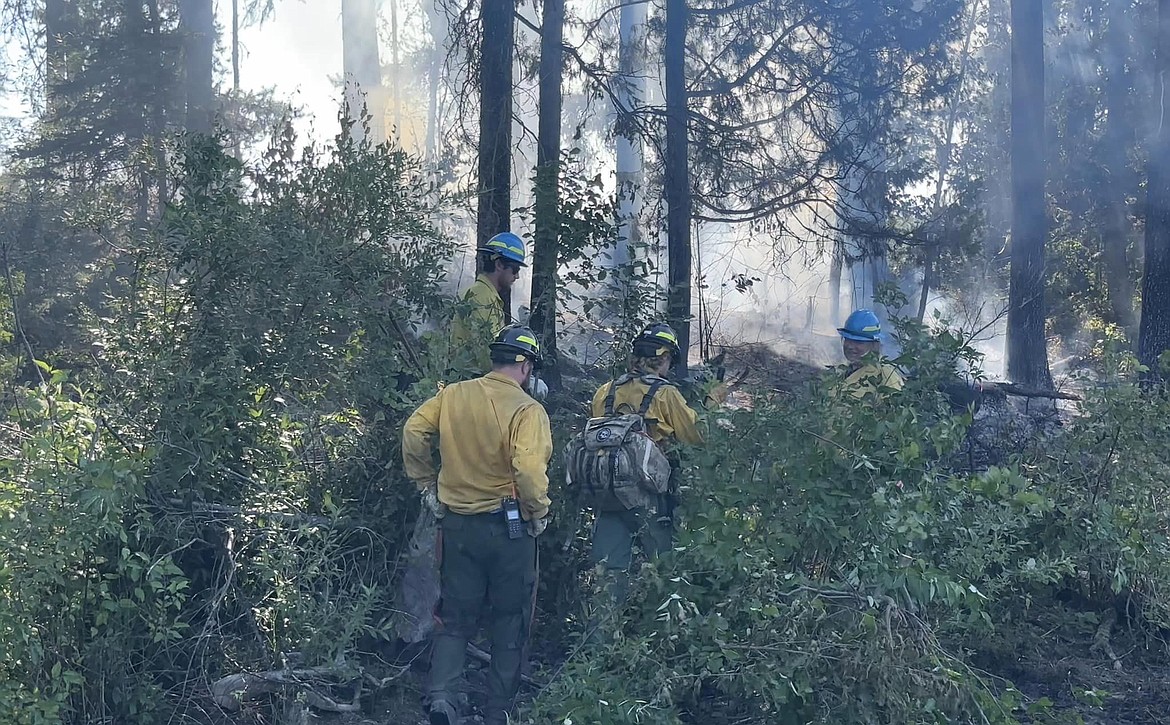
point(512, 516)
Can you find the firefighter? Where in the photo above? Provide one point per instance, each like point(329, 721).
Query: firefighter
point(861, 341)
point(481, 313)
point(669, 421)
point(494, 447)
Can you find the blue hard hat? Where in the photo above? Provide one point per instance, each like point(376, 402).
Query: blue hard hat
point(862, 326)
point(506, 245)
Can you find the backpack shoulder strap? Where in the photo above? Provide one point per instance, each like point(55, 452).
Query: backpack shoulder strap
point(613, 386)
point(648, 398)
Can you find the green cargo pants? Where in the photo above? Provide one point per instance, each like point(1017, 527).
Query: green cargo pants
point(481, 566)
point(614, 533)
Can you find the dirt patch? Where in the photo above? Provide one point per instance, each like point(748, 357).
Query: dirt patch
point(759, 366)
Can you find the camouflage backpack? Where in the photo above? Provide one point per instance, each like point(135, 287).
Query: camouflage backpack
point(613, 462)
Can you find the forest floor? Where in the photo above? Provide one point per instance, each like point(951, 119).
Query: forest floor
point(1069, 666)
point(1066, 667)
point(1124, 680)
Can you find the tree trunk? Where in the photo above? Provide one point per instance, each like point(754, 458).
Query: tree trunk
point(438, 25)
point(495, 124)
point(630, 92)
point(1119, 138)
point(836, 262)
point(863, 208)
point(997, 207)
point(157, 127)
point(197, 26)
point(236, 46)
point(58, 25)
point(395, 73)
point(1027, 354)
point(1154, 331)
point(944, 152)
point(928, 274)
point(548, 155)
point(362, 69)
point(677, 181)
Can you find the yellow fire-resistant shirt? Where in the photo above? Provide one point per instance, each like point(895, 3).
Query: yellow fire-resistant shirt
point(870, 378)
point(675, 420)
point(478, 317)
point(492, 436)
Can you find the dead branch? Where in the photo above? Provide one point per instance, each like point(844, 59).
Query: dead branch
point(1024, 391)
point(236, 512)
point(232, 691)
point(476, 653)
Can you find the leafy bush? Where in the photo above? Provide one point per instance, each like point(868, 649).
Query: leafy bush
point(832, 567)
point(220, 496)
point(90, 598)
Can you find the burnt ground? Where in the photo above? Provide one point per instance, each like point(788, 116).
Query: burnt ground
point(759, 366)
point(1083, 666)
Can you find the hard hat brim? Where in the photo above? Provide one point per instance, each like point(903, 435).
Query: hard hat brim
point(485, 250)
point(858, 338)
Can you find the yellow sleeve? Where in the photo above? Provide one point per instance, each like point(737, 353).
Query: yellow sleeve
point(488, 315)
point(420, 428)
point(681, 417)
point(893, 380)
point(531, 451)
point(478, 317)
point(597, 409)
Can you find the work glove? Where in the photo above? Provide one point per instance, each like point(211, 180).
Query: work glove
point(429, 497)
point(537, 388)
point(536, 527)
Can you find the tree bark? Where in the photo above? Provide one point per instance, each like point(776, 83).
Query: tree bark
point(58, 24)
point(197, 25)
point(1119, 138)
point(677, 181)
point(395, 73)
point(1154, 330)
point(997, 207)
point(944, 152)
point(629, 93)
point(438, 27)
point(495, 124)
point(836, 262)
point(236, 46)
point(548, 156)
point(362, 69)
point(1027, 354)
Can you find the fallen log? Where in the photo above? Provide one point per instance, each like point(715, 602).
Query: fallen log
point(1023, 391)
point(232, 691)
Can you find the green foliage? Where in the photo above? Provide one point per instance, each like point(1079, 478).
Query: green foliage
point(218, 496)
point(90, 599)
point(1104, 477)
point(589, 283)
point(832, 567)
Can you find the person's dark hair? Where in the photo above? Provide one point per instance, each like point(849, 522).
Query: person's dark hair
point(647, 363)
point(486, 263)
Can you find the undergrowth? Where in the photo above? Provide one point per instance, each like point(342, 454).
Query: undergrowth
point(219, 490)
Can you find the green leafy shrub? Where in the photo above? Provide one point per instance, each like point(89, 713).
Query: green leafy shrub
point(221, 496)
point(90, 599)
point(834, 567)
